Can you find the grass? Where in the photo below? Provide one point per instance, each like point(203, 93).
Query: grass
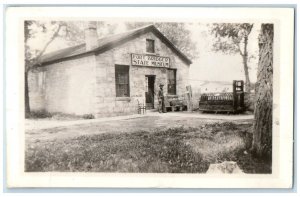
point(174, 150)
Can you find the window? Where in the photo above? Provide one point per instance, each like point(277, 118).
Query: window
point(122, 81)
point(172, 81)
point(150, 46)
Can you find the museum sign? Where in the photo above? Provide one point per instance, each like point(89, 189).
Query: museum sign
point(149, 60)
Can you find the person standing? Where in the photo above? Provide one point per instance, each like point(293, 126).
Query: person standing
point(161, 102)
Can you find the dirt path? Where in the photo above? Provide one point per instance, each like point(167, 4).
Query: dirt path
point(49, 123)
point(49, 131)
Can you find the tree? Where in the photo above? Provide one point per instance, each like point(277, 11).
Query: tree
point(33, 56)
point(262, 134)
point(232, 38)
point(177, 33)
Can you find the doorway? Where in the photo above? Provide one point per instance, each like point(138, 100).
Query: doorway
point(149, 91)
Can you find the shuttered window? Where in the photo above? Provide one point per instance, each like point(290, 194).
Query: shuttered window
point(172, 81)
point(122, 81)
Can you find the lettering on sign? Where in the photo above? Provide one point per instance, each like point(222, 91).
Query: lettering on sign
point(149, 60)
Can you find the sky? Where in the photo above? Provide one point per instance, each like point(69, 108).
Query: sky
point(209, 65)
point(216, 66)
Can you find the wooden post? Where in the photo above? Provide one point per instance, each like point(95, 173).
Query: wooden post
point(234, 95)
point(188, 96)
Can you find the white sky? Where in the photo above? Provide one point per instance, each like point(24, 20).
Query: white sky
point(212, 66)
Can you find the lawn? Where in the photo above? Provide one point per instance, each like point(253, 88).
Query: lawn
point(163, 150)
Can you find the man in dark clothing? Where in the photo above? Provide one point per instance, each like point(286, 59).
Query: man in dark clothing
point(161, 102)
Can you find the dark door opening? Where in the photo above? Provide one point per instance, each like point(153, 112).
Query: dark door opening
point(149, 94)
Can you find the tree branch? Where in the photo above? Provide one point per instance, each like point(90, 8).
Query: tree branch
point(250, 29)
point(47, 44)
point(239, 48)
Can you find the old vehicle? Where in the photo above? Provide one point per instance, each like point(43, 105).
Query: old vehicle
point(231, 102)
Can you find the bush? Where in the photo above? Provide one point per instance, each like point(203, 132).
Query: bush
point(58, 115)
point(63, 116)
point(40, 114)
point(88, 116)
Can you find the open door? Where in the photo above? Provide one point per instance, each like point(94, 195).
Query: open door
point(149, 91)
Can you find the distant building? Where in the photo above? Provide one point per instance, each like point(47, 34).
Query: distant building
point(109, 76)
point(213, 86)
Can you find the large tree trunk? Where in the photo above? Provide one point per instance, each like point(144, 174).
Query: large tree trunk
point(27, 105)
point(245, 63)
point(262, 134)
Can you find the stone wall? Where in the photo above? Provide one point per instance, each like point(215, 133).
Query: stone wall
point(86, 85)
point(36, 90)
point(67, 87)
point(107, 103)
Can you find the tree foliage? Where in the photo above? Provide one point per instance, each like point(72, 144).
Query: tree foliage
point(45, 32)
point(177, 33)
point(232, 38)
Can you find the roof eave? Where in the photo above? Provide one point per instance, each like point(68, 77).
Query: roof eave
point(140, 32)
point(122, 40)
point(65, 58)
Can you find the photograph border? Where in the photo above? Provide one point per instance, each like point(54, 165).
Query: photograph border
point(6, 129)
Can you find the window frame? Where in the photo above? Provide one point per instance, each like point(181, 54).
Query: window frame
point(175, 82)
point(153, 45)
point(122, 69)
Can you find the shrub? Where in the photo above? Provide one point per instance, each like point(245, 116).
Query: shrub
point(58, 115)
point(88, 116)
point(63, 116)
point(40, 114)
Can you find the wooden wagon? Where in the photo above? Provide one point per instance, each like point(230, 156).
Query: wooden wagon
point(175, 103)
point(231, 102)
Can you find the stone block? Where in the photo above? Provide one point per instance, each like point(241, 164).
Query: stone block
point(227, 167)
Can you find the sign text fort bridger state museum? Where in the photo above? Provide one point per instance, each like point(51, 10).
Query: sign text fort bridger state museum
point(149, 60)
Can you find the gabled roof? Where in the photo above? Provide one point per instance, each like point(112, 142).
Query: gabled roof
point(107, 43)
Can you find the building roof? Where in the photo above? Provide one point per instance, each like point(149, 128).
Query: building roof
point(107, 43)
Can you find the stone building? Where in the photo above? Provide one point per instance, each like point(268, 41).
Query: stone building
point(109, 76)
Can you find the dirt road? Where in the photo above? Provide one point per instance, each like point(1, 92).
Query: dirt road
point(40, 130)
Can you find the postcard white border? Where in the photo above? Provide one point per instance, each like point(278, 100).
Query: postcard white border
point(283, 83)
